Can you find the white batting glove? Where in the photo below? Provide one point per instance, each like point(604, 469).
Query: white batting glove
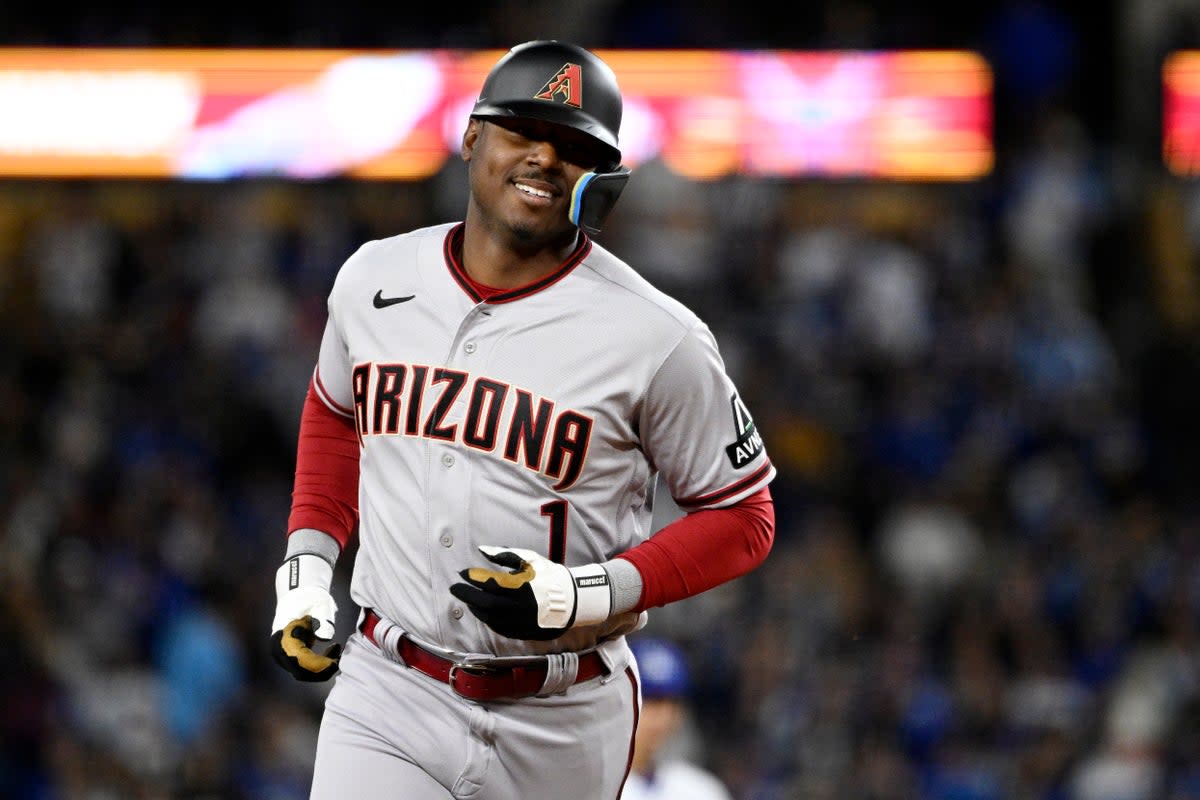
point(304, 612)
point(536, 598)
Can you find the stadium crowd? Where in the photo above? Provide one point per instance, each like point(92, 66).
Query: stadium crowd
point(982, 400)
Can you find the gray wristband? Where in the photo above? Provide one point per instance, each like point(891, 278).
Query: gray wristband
point(310, 540)
point(626, 584)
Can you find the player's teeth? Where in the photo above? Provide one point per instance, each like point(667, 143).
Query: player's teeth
point(532, 191)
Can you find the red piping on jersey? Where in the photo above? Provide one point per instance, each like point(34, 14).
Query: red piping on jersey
point(728, 491)
point(632, 736)
point(452, 250)
point(324, 394)
point(484, 291)
point(325, 493)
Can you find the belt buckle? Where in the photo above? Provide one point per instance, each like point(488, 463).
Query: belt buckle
point(473, 668)
point(495, 667)
point(481, 670)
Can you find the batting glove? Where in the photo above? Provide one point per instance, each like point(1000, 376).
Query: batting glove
point(535, 598)
point(304, 612)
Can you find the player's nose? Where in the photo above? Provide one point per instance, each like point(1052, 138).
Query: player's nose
point(543, 153)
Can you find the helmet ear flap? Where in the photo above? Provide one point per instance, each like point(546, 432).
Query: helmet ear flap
point(594, 196)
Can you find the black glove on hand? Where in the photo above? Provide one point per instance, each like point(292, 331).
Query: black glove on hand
point(536, 598)
point(292, 649)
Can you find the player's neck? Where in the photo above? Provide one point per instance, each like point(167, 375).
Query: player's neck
point(492, 262)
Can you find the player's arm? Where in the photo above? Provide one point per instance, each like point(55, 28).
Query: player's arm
point(323, 518)
point(693, 554)
point(535, 598)
point(729, 533)
point(700, 434)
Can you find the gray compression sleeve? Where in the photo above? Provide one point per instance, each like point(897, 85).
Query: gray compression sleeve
point(310, 540)
point(626, 583)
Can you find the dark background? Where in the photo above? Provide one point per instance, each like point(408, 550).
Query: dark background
point(982, 400)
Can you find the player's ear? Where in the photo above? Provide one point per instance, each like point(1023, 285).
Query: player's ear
point(470, 137)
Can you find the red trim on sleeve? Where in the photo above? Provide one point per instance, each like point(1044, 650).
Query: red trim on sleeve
point(728, 491)
point(325, 493)
point(704, 549)
point(323, 393)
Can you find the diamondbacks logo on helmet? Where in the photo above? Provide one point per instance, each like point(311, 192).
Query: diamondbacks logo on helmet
point(568, 83)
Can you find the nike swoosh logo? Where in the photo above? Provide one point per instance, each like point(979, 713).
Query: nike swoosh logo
point(383, 302)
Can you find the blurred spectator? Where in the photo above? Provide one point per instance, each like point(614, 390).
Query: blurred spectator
point(1057, 203)
point(662, 766)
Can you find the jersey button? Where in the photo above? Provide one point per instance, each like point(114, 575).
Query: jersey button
point(447, 460)
point(456, 612)
point(446, 539)
point(469, 347)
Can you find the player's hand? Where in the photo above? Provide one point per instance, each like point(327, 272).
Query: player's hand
point(534, 598)
point(304, 613)
point(291, 648)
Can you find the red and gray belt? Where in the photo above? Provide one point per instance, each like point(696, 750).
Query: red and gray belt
point(498, 679)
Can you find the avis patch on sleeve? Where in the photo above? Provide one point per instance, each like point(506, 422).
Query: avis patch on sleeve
point(749, 443)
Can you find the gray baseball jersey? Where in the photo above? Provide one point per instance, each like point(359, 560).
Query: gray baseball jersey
point(537, 419)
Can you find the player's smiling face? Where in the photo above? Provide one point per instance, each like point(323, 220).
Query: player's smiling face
point(522, 172)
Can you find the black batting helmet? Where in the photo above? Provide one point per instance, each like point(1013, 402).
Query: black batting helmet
point(555, 82)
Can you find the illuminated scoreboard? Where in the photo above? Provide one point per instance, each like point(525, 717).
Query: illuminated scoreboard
point(229, 113)
point(1181, 112)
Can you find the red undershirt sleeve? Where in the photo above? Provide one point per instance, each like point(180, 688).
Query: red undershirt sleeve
point(704, 549)
point(325, 492)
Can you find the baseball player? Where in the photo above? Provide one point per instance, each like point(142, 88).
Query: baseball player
point(492, 403)
point(656, 775)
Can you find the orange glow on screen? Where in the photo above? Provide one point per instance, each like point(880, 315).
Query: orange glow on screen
point(1181, 112)
point(223, 114)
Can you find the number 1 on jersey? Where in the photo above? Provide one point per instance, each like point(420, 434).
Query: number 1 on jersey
point(556, 510)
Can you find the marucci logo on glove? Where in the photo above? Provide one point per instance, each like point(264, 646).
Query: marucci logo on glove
point(748, 444)
point(533, 597)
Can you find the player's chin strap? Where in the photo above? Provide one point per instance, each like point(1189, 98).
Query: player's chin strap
point(594, 196)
